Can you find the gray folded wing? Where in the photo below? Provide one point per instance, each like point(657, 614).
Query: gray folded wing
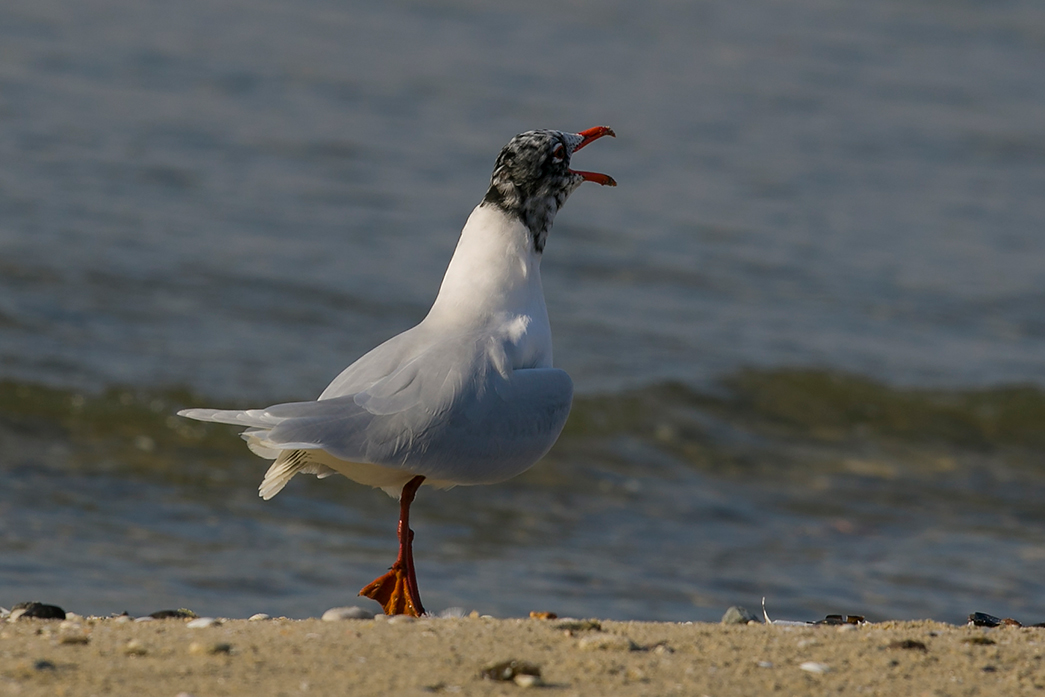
point(452, 412)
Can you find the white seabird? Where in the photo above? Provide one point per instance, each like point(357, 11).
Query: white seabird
point(469, 395)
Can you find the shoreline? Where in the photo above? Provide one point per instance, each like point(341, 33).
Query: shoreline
point(405, 656)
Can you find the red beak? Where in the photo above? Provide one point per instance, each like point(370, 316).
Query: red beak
point(588, 136)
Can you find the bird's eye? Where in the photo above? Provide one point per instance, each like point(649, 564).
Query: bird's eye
point(559, 153)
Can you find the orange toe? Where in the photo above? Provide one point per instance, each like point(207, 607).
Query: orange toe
point(392, 591)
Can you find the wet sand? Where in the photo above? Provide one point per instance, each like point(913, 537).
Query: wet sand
point(87, 656)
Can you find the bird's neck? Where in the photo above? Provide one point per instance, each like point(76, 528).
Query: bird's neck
point(495, 271)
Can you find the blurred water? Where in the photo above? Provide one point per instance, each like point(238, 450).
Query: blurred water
point(239, 199)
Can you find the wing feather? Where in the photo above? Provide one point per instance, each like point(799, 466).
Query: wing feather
point(453, 412)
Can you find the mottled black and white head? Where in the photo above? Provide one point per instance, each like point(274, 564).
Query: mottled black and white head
point(532, 177)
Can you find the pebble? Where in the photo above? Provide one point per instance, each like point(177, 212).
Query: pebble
point(738, 615)
point(201, 622)
point(74, 637)
point(173, 614)
point(814, 667)
point(354, 612)
point(203, 649)
point(606, 642)
point(259, 617)
point(981, 619)
point(842, 619)
point(37, 610)
point(122, 619)
point(512, 670)
point(401, 619)
point(145, 619)
point(525, 680)
point(135, 648)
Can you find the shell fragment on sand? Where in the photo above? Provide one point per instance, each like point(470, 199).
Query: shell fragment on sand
point(202, 623)
point(353, 612)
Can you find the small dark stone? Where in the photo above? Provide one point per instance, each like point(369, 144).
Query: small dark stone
point(507, 670)
point(40, 611)
point(982, 619)
point(909, 644)
point(842, 619)
point(181, 614)
point(44, 664)
point(580, 626)
point(990, 669)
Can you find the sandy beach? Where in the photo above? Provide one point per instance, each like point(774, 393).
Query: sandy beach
point(404, 656)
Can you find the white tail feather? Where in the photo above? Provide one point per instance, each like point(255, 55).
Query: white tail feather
point(288, 464)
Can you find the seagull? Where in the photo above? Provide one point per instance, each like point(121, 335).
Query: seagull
point(468, 396)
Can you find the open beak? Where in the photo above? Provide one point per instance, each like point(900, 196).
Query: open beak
point(588, 136)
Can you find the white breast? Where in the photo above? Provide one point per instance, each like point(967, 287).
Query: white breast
point(493, 286)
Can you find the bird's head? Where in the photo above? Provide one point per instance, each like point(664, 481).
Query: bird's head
point(532, 177)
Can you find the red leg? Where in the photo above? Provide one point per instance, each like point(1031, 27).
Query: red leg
point(397, 590)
